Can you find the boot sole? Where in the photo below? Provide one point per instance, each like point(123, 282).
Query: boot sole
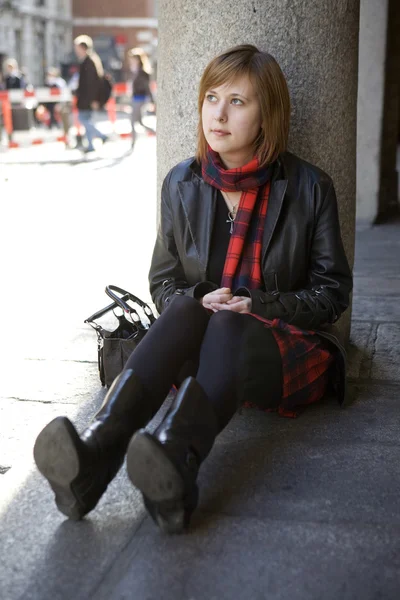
point(153, 473)
point(56, 456)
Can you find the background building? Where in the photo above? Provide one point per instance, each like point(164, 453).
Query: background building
point(115, 27)
point(37, 33)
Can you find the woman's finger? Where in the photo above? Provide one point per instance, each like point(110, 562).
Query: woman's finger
point(235, 299)
point(219, 298)
point(224, 306)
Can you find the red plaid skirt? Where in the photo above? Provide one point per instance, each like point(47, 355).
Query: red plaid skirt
point(305, 364)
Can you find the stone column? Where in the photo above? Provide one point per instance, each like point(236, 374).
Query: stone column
point(389, 177)
point(371, 89)
point(315, 43)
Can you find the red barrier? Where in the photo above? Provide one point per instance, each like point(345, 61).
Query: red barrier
point(7, 117)
point(42, 95)
point(111, 107)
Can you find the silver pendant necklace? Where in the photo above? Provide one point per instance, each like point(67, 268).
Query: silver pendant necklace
point(231, 219)
point(231, 214)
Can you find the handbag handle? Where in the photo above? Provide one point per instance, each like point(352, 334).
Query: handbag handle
point(105, 310)
point(113, 290)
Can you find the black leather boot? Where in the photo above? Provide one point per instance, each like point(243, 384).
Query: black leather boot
point(79, 468)
point(164, 465)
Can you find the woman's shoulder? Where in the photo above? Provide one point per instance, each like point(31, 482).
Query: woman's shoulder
point(295, 167)
point(184, 171)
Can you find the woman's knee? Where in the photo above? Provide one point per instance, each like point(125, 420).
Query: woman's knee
point(185, 307)
point(226, 316)
point(225, 319)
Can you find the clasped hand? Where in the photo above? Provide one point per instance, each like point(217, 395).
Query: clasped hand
point(222, 299)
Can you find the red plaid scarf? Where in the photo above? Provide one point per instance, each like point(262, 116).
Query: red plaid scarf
point(243, 259)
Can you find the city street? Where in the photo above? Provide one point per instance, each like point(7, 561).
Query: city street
point(69, 226)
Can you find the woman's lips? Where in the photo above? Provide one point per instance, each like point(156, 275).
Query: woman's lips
point(220, 133)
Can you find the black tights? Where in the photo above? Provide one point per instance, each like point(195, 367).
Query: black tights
point(214, 345)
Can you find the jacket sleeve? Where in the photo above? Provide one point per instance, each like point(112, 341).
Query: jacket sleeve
point(327, 293)
point(89, 82)
point(167, 277)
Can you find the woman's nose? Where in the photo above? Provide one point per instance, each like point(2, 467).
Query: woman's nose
point(220, 113)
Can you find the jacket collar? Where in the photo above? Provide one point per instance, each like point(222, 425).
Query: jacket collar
point(278, 189)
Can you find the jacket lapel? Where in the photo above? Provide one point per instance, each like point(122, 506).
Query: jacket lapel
point(276, 196)
point(198, 200)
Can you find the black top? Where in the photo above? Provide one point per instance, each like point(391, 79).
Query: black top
point(89, 84)
point(219, 241)
point(14, 82)
point(141, 85)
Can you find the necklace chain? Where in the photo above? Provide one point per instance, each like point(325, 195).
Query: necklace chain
point(232, 212)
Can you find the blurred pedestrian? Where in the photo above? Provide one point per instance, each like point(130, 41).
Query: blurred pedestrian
point(13, 79)
point(54, 81)
point(88, 91)
point(141, 92)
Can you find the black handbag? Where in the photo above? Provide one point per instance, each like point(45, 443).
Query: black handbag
point(115, 347)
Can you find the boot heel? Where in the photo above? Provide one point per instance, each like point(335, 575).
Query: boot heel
point(171, 521)
point(56, 456)
point(151, 471)
point(162, 486)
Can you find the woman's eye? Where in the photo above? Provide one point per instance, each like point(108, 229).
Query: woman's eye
point(210, 97)
point(237, 101)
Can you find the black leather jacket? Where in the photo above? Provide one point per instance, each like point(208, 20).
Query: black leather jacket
point(306, 274)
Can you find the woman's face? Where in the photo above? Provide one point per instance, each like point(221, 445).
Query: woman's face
point(231, 116)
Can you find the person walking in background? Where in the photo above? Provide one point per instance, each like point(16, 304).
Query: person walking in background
point(14, 79)
point(88, 91)
point(54, 81)
point(141, 92)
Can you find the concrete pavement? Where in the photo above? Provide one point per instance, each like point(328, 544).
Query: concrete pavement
point(304, 509)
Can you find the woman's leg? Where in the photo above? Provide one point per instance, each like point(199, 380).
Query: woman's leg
point(134, 118)
point(220, 359)
point(173, 339)
point(138, 114)
point(239, 361)
point(201, 409)
point(86, 119)
point(79, 468)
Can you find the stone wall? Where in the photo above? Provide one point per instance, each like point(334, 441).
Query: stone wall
point(316, 44)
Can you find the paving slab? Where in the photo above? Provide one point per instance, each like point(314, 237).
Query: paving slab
point(312, 480)
point(77, 344)
point(376, 308)
point(368, 286)
point(22, 420)
point(373, 416)
point(229, 558)
point(43, 555)
point(50, 381)
point(360, 349)
point(369, 266)
point(386, 357)
point(61, 559)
